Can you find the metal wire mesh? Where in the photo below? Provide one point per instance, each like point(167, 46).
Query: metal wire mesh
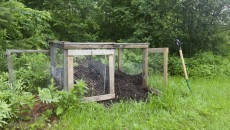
point(32, 69)
point(94, 71)
point(132, 61)
point(156, 69)
point(57, 68)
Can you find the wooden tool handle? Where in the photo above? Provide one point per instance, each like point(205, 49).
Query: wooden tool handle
point(183, 64)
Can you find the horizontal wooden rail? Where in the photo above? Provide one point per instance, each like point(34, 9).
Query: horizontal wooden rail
point(90, 52)
point(27, 51)
point(156, 50)
point(100, 97)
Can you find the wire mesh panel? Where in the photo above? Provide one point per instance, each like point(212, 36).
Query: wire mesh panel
point(158, 59)
point(93, 69)
point(31, 69)
point(132, 61)
point(96, 68)
point(57, 64)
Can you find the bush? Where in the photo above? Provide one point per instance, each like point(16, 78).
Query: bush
point(13, 100)
point(33, 70)
point(205, 64)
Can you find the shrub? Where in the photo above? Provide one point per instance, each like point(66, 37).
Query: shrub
point(13, 100)
point(204, 64)
point(63, 99)
point(33, 70)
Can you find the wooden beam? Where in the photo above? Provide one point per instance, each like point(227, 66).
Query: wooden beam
point(166, 50)
point(120, 59)
point(89, 52)
point(28, 51)
point(70, 73)
point(108, 46)
point(145, 68)
point(65, 69)
point(99, 98)
point(156, 50)
point(111, 74)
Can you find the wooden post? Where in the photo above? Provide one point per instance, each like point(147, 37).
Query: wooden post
point(120, 59)
point(166, 50)
point(65, 69)
point(145, 68)
point(70, 73)
point(10, 67)
point(111, 74)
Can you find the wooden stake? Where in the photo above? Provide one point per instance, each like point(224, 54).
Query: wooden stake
point(65, 69)
point(145, 68)
point(70, 73)
point(166, 66)
point(120, 59)
point(111, 74)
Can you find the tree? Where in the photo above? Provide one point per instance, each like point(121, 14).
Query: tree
point(23, 27)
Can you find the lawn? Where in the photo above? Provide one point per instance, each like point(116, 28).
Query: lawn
point(207, 107)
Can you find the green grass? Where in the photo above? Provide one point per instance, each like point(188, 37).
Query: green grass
point(208, 107)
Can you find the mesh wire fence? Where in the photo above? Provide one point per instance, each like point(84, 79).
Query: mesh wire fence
point(156, 69)
point(94, 71)
point(32, 69)
point(132, 61)
point(58, 70)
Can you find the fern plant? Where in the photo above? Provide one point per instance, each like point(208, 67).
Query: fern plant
point(5, 112)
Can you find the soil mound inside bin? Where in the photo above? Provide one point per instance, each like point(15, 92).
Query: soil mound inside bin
point(126, 86)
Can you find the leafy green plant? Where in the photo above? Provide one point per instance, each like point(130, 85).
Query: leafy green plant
point(5, 112)
point(14, 100)
point(32, 69)
point(63, 100)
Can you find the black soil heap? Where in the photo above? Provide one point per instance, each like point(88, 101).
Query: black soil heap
point(126, 86)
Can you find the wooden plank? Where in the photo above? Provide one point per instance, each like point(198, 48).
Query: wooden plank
point(10, 67)
point(28, 51)
point(111, 74)
point(166, 50)
point(88, 43)
point(65, 69)
point(70, 73)
point(156, 50)
point(108, 46)
point(89, 52)
point(145, 68)
point(99, 98)
point(120, 59)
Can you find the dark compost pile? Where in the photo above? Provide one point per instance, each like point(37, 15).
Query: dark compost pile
point(126, 86)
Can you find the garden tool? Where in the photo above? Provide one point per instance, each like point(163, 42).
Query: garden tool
point(183, 63)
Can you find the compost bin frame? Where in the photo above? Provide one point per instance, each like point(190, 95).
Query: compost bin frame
point(165, 52)
point(10, 64)
point(67, 46)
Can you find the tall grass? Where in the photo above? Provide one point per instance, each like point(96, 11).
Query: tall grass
point(208, 107)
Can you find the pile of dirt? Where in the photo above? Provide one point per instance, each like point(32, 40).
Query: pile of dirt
point(126, 86)
point(129, 86)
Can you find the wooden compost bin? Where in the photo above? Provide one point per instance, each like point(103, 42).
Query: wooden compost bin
point(81, 48)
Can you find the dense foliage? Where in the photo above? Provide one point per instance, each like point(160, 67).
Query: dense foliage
point(202, 25)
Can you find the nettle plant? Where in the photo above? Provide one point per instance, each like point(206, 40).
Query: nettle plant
point(63, 100)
